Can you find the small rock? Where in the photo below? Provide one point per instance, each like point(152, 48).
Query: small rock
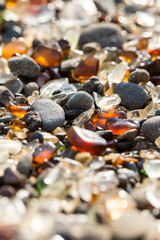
point(151, 128)
point(5, 95)
point(52, 114)
point(123, 146)
point(139, 75)
point(90, 47)
point(5, 119)
point(32, 120)
point(106, 134)
point(157, 112)
point(12, 178)
point(72, 114)
point(14, 32)
point(30, 88)
point(91, 85)
point(106, 34)
point(7, 191)
point(37, 135)
point(132, 95)
point(24, 66)
point(15, 85)
point(81, 100)
point(25, 164)
point(128, 136)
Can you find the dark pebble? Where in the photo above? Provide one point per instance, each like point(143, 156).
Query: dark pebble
point(5, 95)
point(7, 191)
point(14, 32)
point(30, 88)
point(32, 120)
point(106, 34)
point(139, 75)
point(124, 146)
point(80, 100)
point(91, 85)
point(5, 119)
point(132, 95)
point(52, 114)
point(151, 128)
point(72, 114)
point(13, 178)
point(24, 66)
point(106, 134)
point(24, 165)
point(157, 112)
point(15, 85)
point(37, 135)
point(128, 136)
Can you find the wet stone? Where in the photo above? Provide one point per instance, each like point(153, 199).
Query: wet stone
point(139, 75)
point(30, 88)
point(32, 120)
point(80, 100)
point(151, 128)
point(132, 95)
point(5, 95)
point(24, 66)
point(52, 114)
point(106, 34)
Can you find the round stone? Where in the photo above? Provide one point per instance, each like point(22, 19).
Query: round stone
point(80, 100)
point(151, 129)
point(30, 88)
point(139, 75)
point(5, 95)
point(106, 34)
point(24, 66)
point(52, 114)
point(132, 95)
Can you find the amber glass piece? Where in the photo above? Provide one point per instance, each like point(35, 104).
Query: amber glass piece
point(143, 43)
point(99, 120)
point(86, 69)
point(47, 56)
point(120, 126)
point(118, 161)
point(18, 110)
point(10, 134)
point(17, 124)
point(86, 140)
point(65, 45)
point(17, 46)
point(11, 3)
point(38, 2)
point(154, 53)
point(44, 152)
point(127, 55)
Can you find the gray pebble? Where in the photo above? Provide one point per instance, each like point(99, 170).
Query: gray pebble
point(13, 178)
point(80, 100)
point(24, 66)
point(132, 95)
point(139, 75)
point(30, 88)
point(15, 85)
point(157, 112)
point(5, 95)
point(25, 164)
point(91, 85)
point(106, 34)
point(52, 114)
point(37, 135)
point(128, 136)
point(151, 128)
point(32, 120)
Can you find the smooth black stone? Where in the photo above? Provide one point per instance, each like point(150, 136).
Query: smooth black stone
point(72, 114)
point(37, 135)
point(124, 146)
point(106, 134)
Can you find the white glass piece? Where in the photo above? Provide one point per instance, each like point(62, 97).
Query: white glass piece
point(118, 73)
point(138, 114)
point(152, 168)
point(108, 102)
point(10, 146)
point(156, 95)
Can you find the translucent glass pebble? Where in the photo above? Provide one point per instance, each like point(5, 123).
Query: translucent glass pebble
point(152, 168)
point(10, 146)
point(138, 114)
point(118, 73)
point(156, 95)
point(153, 193)
point(108, 102)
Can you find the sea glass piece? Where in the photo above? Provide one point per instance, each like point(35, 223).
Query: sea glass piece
point(108, 102)
point(18, 110)
point(44, 152)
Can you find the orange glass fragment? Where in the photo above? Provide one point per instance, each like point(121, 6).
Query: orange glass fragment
point(128, 55)
point(65, 45)
point(17, 125)
point(118, 161)
point(47, 56)
point(86, 69)
point(44, 152)
point(10, 3)
point(143, 43)
point(99, 120)
point(154, 53)
point(120, 126)
point(18, 110)
point(16, 46)
point(86, 140)
point(38, 2)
